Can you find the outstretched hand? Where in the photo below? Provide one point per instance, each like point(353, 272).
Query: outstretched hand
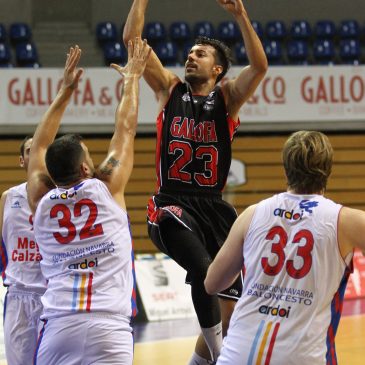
point(72, 74)
point(138, 53)
point(233, 6)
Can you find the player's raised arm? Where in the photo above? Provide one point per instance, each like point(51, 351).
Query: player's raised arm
point(159, 78)
point(39, 181)
point(237, 91)
point(117, 167)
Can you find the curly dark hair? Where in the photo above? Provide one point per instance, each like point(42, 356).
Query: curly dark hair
point(223, 56)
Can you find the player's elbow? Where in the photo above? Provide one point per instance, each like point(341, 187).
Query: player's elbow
point(260, 68)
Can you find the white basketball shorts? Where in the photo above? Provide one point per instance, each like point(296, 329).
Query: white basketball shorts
point(84, 339)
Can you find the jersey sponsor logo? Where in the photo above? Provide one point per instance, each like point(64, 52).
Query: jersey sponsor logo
point(275, 311)
point(290, 215)
point(24, 244)
point(84, 265)
point(25, 256)
point(63, 196)
point(174, 209)
point(81, 252)
point(307, 205)
point(187, 129)
point(26, 250)
point(278, 293)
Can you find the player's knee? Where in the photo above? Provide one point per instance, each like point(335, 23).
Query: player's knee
point(200, 268)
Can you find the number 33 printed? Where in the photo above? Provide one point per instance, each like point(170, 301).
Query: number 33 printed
point(88, 230)
point(279, 239)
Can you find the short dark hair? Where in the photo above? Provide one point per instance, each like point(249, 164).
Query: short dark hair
point(223, 53)
point(22, 145)
point(307, 158)
point(63, 159)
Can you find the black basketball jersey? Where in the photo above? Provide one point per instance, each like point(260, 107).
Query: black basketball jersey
point(194, 136)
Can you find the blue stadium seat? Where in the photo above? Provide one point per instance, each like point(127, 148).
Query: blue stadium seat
point(186, 49)
point(240, 52)
point(106, 32)
point(273, 52)
point(324, 51)
point(20, 32)
point(155, 32)
point(350, 51)
point(4, 53)
point(297, 52)
point(6, 65)
point(167, 53)
point(114, 52)
point(325, 29)
point(349, 29)
point(2, 33)
point(228, 32)
point(300, 29)
point(31, 65)
point(275, 30)
point(205, 29)
point(258, 28)
point(5, 56)
point(179, 32)
point(26, 54)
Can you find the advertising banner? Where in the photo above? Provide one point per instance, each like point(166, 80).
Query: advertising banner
point(162, 288)
point(356, 285)
point(286, 95)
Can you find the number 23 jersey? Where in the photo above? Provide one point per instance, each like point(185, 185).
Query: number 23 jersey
point(86, 245)
point(194, 136)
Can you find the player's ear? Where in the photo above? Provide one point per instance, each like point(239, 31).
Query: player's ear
point(21, 161)
point(85, 170)
point(217, 70)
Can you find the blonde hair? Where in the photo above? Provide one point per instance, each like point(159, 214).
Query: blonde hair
point(307, 158)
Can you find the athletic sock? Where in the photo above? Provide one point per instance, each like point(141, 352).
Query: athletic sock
point(198, 360)
point(213, 338)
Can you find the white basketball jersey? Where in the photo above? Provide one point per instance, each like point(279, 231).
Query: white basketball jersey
point(294, 284)
point(86, 245)
point(20, 255)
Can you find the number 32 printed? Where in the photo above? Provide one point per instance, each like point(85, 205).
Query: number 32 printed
point(90, 229)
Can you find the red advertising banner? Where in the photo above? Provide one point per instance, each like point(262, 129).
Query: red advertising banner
point(356, 284)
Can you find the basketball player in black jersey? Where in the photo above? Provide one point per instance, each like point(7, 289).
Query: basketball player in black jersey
point(187, 218)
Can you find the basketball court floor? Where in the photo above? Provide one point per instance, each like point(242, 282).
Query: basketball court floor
point(172, 342)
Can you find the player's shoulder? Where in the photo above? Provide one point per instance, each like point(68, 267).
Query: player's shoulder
point(4, 195)
point(17, 190)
